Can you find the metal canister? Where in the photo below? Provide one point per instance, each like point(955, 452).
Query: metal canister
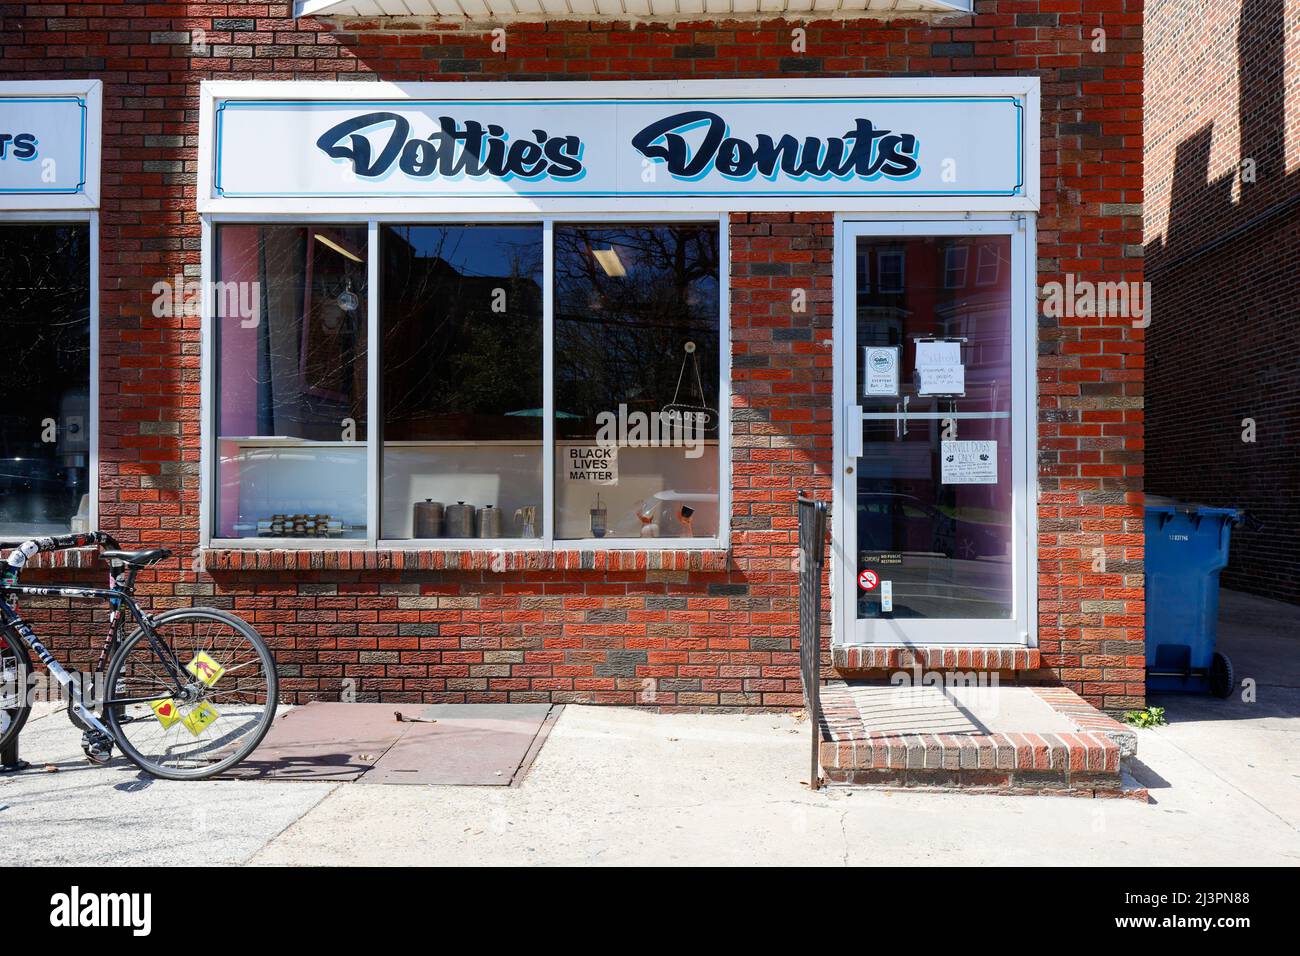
point(489, 522)
point(458, 520)
point(427, 519)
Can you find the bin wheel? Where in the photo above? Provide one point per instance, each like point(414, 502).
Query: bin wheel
point(1223, 679)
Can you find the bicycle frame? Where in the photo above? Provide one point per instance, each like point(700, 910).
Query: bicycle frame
point(117, 596)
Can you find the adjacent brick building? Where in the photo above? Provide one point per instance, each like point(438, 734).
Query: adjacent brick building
point(707, 626)
point(1222, 235)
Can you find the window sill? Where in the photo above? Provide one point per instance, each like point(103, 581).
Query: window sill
point(66, 558)
point(498, 561)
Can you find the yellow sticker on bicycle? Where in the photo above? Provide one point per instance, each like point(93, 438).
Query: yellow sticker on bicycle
point(200, 717)
point(166, 711)
point(205, 668)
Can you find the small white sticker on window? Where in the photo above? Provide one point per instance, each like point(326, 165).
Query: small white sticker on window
point(886, 596)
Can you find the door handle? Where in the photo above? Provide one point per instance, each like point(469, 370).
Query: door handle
point(853, 445)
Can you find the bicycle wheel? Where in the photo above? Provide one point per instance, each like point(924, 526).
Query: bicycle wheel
point(223, 710)
point(15, 706)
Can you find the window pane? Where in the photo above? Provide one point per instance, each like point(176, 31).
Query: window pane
point(290, 324)
point(45, 414)
point(940, 537)
point(636, 380)
point(462, 381)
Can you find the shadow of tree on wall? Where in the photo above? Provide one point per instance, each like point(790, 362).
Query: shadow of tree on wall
point(1224, 341)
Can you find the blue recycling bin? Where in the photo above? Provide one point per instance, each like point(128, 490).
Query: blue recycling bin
point(1186, 547)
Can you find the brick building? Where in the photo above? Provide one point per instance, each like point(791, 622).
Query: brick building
point(393, 320)
point(1222, 237)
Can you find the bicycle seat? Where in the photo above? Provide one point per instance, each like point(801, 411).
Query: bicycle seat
point(138, 559)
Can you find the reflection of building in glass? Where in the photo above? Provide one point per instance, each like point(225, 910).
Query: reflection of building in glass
point(45, 414)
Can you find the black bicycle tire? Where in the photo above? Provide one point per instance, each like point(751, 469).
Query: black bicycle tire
point(16, 724)
point(272, 693)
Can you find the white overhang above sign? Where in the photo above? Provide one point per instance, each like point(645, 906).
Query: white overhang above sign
point(49, 144)
point(538, 10)
point(845, 145)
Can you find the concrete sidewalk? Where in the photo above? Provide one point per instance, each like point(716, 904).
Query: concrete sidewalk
point(626, 787)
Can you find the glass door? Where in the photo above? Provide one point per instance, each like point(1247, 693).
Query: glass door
point(934, 465)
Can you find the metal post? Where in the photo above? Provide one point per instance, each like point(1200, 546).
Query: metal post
point(812, 556)
point(9, 759)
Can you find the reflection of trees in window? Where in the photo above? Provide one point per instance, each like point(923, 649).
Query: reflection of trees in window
point(462, 320)
point(627, 300)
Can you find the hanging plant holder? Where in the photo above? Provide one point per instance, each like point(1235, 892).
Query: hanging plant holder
point(682, 405)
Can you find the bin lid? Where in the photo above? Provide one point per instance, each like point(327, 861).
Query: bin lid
point(1162, 505)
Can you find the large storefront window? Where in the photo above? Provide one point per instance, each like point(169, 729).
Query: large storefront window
point(636, 380)
point(462, 381)
point(45, 414)
point(470, 440)
point(289, 321)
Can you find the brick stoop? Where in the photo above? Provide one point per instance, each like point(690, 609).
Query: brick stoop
point(1018, 740)
point(871, 657)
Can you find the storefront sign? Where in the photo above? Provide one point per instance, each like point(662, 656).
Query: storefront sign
point(49, 145)
point(969, 462)
point(746, 146)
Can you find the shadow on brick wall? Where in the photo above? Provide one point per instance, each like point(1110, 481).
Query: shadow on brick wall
point(1223, 349)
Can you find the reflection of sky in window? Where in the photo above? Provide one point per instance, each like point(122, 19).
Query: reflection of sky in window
point(479, 250)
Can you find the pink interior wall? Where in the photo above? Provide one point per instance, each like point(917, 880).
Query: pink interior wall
point(237, 390)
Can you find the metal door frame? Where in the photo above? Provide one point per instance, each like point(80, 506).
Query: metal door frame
point(1021, 628)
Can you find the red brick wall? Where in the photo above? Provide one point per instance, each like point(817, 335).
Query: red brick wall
point(697, 638)
point(1222, 254)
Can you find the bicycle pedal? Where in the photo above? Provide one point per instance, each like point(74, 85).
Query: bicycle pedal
point(97, 748)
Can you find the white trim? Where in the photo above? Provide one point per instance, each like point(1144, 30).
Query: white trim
point(91, 218)
point(1025, 88)
point(374, 427)
point(547, 11)
point(207, 376)
point(1021, 629)
point(548, 384)
point(92, 91)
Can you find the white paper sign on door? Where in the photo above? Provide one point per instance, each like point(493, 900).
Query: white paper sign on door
point(969, 462)
point(881, 370)
point(938, 368)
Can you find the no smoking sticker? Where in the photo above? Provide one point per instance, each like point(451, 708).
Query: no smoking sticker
point(868, 580)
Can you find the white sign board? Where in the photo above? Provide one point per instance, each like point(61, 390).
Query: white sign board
point(49, 145)
point(969, 462)
point(765, 141)
point(880, 370)
point(591, 464)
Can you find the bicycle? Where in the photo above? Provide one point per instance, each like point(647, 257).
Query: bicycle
point(193, 690)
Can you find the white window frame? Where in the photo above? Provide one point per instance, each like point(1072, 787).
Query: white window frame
point(91, 218)
point(1022, 227)
point(547, 540)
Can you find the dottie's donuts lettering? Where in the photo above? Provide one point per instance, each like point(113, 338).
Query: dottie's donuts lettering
point(18, 146)
point(473, 149)
point(864, 151)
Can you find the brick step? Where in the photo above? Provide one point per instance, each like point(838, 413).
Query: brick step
point(1005, 740)
point(850, 658)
